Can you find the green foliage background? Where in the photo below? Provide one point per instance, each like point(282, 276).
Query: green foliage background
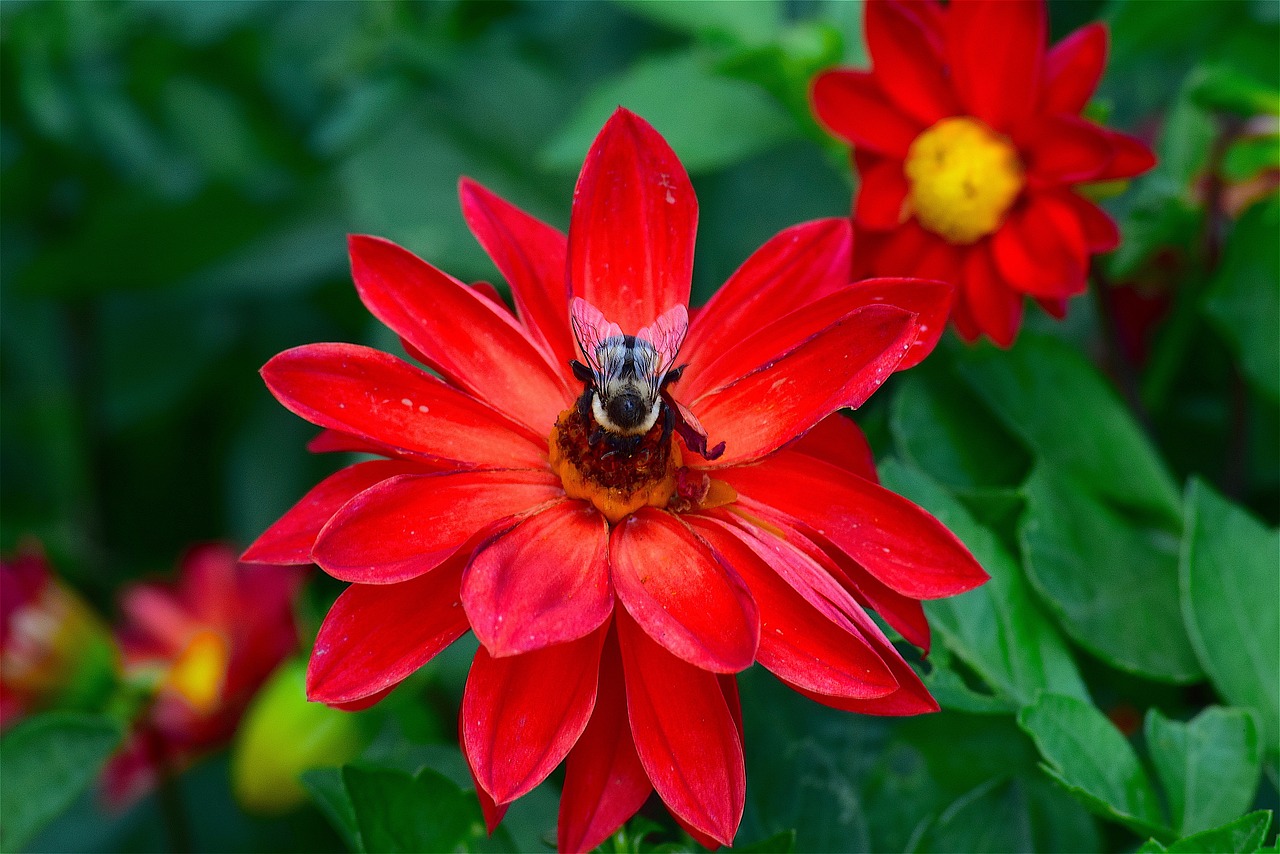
point(177, 181)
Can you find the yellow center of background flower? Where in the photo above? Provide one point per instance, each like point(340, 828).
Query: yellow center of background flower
point(199, 673)
point(963, 178)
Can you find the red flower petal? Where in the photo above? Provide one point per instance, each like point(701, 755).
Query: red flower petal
point(290, 539)
point(1132, 157)
point(839, 441)
point(674, 587)
point(903, 613)
point(1100, 230)
point(795, 266)
point(604, 782)
point(458, 332)
point(880, 203)
point(995, 307)
point(492, 811)
point(338, 442)
point(837, 367)
point(410, 524)
point(522, 714)
point(903, 54)
point(684, 734)
point(902, 252)
point(531, 256)
point(852, 106)
point(797, 641)
point(1072, 70)
point(632, 230)
point(996, 50)
point(376, 396)
point(910, 699)
point(1055, 307)
point(544, 582)
point(376, 635)
point(1067, 150)
point(1041, 249)
point(929, 300)
point(896, 541)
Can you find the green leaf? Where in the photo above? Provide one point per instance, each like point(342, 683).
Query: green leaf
point(1244, 299)
point(1227, 88)
point(1084, 752)
point(397, 812)
point(330, 794)
point(998, 629)
point(746, 21)
point(1246, 834)
point(1050, 395)
point(48, 761)
point(783, 842)
point(1002, 814)
point(942, 427)
point(1229, 592)
point(710, 121)
point(1112, 582)
point(1210, 767)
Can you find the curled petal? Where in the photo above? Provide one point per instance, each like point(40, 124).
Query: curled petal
point(522, 714)
point(881, 202)
point(674, 587)
point(896, 541)
point(685, 735)
point(853, 107)
point(1072, 70)
point(996, 51)
point(290, 539)
point(839, 366)
point(795, 266)
point(375, 396)
point(995, 307)
point(458, 332)
point(797, 641)
point(632, 230)
point(902, 51)
point(840, 442)
point(531, 256)
point(544, 582)
point(1041, 249)
point(376, 635)
point(604, 782)
point(1068, 150)
point(410, 524)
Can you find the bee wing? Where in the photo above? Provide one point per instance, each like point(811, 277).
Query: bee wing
point(592, 330)
point(666, 334)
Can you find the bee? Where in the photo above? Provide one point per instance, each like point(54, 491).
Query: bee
point(626, 380)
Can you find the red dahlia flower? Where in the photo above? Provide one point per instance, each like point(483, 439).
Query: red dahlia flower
point(54, 651)
point(203, 646)
point(969, 145)
point(617, 567)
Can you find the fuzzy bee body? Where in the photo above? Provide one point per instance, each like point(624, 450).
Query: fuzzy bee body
point(626, 377)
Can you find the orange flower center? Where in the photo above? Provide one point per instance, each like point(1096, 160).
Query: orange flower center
point(618, 483)
point(200, 671)
point(963, 177)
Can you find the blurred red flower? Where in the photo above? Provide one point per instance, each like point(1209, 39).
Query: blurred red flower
point(200, 648)
point(969, 146)
point(54, 651)
point(503, 507)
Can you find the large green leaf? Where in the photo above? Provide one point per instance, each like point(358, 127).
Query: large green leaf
point(710, 121)
point(398, 812)
point(48, 761)
point(1244, 298)
point(1209, 767)
point(1230, 588)
point(1084, 752)
point(1245, 835)
point(1112, 582)
point(943, 427)
point(998, 628)
point(1051, 396)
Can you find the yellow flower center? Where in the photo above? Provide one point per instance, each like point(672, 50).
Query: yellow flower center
point(619, 484)
point(200, 671)
point(963, 177)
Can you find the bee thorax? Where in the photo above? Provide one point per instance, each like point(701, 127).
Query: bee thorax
point(625, 413)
